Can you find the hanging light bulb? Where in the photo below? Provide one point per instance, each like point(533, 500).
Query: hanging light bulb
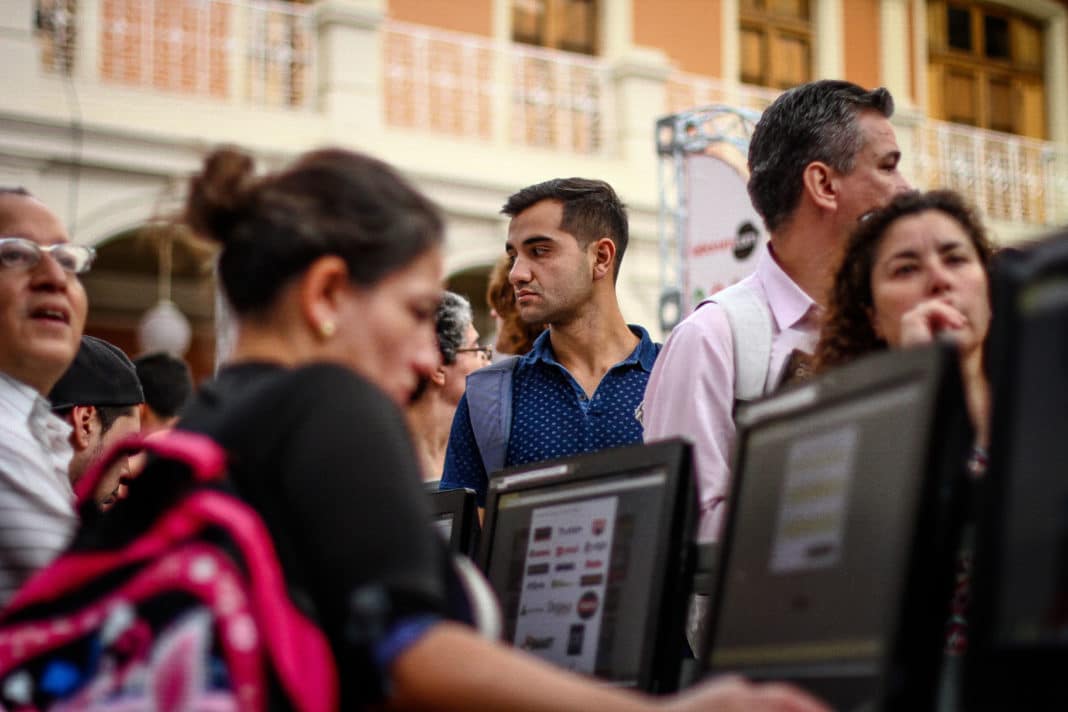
point(164, 327)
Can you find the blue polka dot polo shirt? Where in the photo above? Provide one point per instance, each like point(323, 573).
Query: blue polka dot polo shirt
point(552, 416)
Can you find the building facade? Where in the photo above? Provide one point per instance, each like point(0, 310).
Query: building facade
point(112, 104)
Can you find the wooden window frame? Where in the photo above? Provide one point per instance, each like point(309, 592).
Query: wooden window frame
point(774, 28)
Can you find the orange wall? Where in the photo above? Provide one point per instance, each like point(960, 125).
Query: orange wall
point(687, 30)
point(474, 16)
point(860, 25)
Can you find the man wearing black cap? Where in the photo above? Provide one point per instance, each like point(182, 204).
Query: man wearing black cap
point(99, 397)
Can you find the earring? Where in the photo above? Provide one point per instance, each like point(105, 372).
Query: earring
point(327, 329)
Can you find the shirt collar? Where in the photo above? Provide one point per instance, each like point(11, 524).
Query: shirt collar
point(644, 354)
point(788, 302)
point(31, 409)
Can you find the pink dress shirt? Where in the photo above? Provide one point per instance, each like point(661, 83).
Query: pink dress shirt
point(691, 389)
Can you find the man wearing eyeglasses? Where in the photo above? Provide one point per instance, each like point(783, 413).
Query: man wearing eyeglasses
point(42, 315)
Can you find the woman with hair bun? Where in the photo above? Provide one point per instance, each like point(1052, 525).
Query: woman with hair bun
point(333, 269)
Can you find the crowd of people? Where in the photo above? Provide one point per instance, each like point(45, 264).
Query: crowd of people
point(354, 378)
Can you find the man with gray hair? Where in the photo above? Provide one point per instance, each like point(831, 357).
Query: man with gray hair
point(822, 156)
point(431, 410)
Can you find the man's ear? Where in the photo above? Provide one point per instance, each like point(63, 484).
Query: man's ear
point(818, 181)
point(438, 376)
point(85, 420)
point(604, 257)
point(321, 288)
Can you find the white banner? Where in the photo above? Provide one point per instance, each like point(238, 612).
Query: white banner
point(724, 234)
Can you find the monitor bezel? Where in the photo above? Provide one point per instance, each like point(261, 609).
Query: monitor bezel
point(462, 504)
point(664, 629)
point(996, 672)
point(908, 672)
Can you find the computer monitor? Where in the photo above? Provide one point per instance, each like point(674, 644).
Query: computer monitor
point(589, 556)
point(1018, 624)
point(836, 568)
point(455, 517)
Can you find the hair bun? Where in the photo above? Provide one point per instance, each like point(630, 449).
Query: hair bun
point(219, 194)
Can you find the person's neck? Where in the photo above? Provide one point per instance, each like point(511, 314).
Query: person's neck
point(808, 249)
point(977, 395)
point(591, 343)
point(256, 342)
point(430, 426)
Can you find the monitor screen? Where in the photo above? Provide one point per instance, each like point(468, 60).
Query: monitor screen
point(1018, 629)
point(455, 517)
point(583, 555)
point(829, 487)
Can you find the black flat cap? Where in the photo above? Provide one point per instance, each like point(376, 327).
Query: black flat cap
point(100, 375)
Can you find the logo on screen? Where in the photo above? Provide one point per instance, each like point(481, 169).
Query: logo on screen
point(575, 638)
point(598, 525)
point(567, 566)
point(537, 569)
point(558, 608)
point(564, 550)
point(533, 643)
point(570, 531)
point(533, 609)
point(561, 583)
point(591, 580)
point(543, 533)
point(535, 585)
point(596, 546)
point(594, 563)
point(538, 553)
point(587, 605)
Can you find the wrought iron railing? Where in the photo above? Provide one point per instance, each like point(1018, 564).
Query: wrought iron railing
point(471, 87)
point(260, 51)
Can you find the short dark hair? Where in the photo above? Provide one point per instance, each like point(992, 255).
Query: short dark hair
point(166, 381)
point(108, 414)
point(812, 122)
point(848, 331)
point(592, 210)
point(452, 318)
point(328, 202)
point(15, 190)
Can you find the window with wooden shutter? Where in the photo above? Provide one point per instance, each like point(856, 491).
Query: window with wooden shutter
point(985, 67)
point(569, 25)
point(775, 42)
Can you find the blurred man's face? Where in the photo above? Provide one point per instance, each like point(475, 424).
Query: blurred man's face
point(112, 487)
point(43, 307)
point(875, 178)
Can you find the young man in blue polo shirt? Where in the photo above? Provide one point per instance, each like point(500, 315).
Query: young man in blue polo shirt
point(580, 387)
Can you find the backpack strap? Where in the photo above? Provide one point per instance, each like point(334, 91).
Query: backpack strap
point(489, 406)
point(751, 329)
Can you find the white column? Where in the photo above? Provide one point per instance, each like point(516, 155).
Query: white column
point(617, 23)
point(87, 40)
point(730, 52)
point(350, 68)
point(829, 40)
point(919, 54)
point(894, 51)
point(1056, 41)
point(640, 84)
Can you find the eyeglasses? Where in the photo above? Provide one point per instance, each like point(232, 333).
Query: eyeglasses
point(20, 253)
point(485, 351)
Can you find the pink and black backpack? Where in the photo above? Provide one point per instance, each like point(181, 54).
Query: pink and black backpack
point(173, 600)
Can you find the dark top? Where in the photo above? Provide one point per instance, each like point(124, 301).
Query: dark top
point(552, 416)
point(326, 459)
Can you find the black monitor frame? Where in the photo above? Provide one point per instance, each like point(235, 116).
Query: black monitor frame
point(462, 505)
point(1000, 674)
point(908, 670)
point(664, 626)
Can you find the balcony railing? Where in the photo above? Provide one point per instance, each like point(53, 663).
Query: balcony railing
point(688, 91)
point(470, 87)
point(259, 51)
point(1007, 177)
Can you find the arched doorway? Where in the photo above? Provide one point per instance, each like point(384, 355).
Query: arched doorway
point(125, 282)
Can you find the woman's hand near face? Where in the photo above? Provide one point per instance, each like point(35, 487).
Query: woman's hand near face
point(932, 318)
